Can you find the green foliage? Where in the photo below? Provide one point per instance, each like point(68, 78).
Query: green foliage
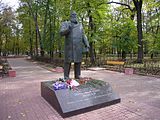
point(153, 43)
point(110, 28)
point(151, 27)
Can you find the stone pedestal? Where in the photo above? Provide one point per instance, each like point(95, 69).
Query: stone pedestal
point(71, 102)
point(128, 71)
point(11, 73)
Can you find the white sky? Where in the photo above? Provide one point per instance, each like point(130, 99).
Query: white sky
point(12, 3)
point(115, 0)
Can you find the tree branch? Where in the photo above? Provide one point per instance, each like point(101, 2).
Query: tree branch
point(135, 3)
point(128, 6)
point(2, 6)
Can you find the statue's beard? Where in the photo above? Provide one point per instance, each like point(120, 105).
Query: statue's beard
point(74, 20)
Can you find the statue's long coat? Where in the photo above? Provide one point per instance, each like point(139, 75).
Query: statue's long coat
point(75, 41)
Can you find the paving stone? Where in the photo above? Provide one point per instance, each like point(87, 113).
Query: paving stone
point(21, 98)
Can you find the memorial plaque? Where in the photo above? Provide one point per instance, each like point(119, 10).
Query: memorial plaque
point(84, 98)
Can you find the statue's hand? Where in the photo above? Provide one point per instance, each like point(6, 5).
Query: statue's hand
point(87, 49)
point(64, 28)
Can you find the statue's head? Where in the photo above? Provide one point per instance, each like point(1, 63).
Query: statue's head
point(73, 17)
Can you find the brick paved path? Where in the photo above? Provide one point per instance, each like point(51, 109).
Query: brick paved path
point(20, 97)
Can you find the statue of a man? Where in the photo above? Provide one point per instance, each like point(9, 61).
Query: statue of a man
point(75, 42)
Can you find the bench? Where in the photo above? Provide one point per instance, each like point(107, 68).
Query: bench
point(115, 62)
point(120, 64)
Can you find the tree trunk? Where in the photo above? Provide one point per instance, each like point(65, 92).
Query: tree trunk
point(36, 43)
point(5, 46)
point(138, 5)
point(123, 55)
point(44, 28)
point(139, 27)
point(0, 46)
point(119, 54)
point(91, 28)
point(31, 47)
point(51, 37)
point(13, 49)
point(38, 35)
point(131, 55)
point(30, 39)
point(18, 46)
point(52, 34)
point(92, 56)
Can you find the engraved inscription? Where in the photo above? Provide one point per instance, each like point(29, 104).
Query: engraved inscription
point(86, 99)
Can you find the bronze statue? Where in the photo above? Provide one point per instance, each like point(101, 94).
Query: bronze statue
point(75, 42)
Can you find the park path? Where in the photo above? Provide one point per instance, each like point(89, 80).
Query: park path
point(20, 97)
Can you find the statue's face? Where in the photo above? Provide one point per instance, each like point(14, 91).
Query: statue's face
point(73, 17)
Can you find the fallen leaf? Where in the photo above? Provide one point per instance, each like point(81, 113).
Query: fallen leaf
point(23, 114)
point(9, 117)
point(138, 110)
point(18, 101)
